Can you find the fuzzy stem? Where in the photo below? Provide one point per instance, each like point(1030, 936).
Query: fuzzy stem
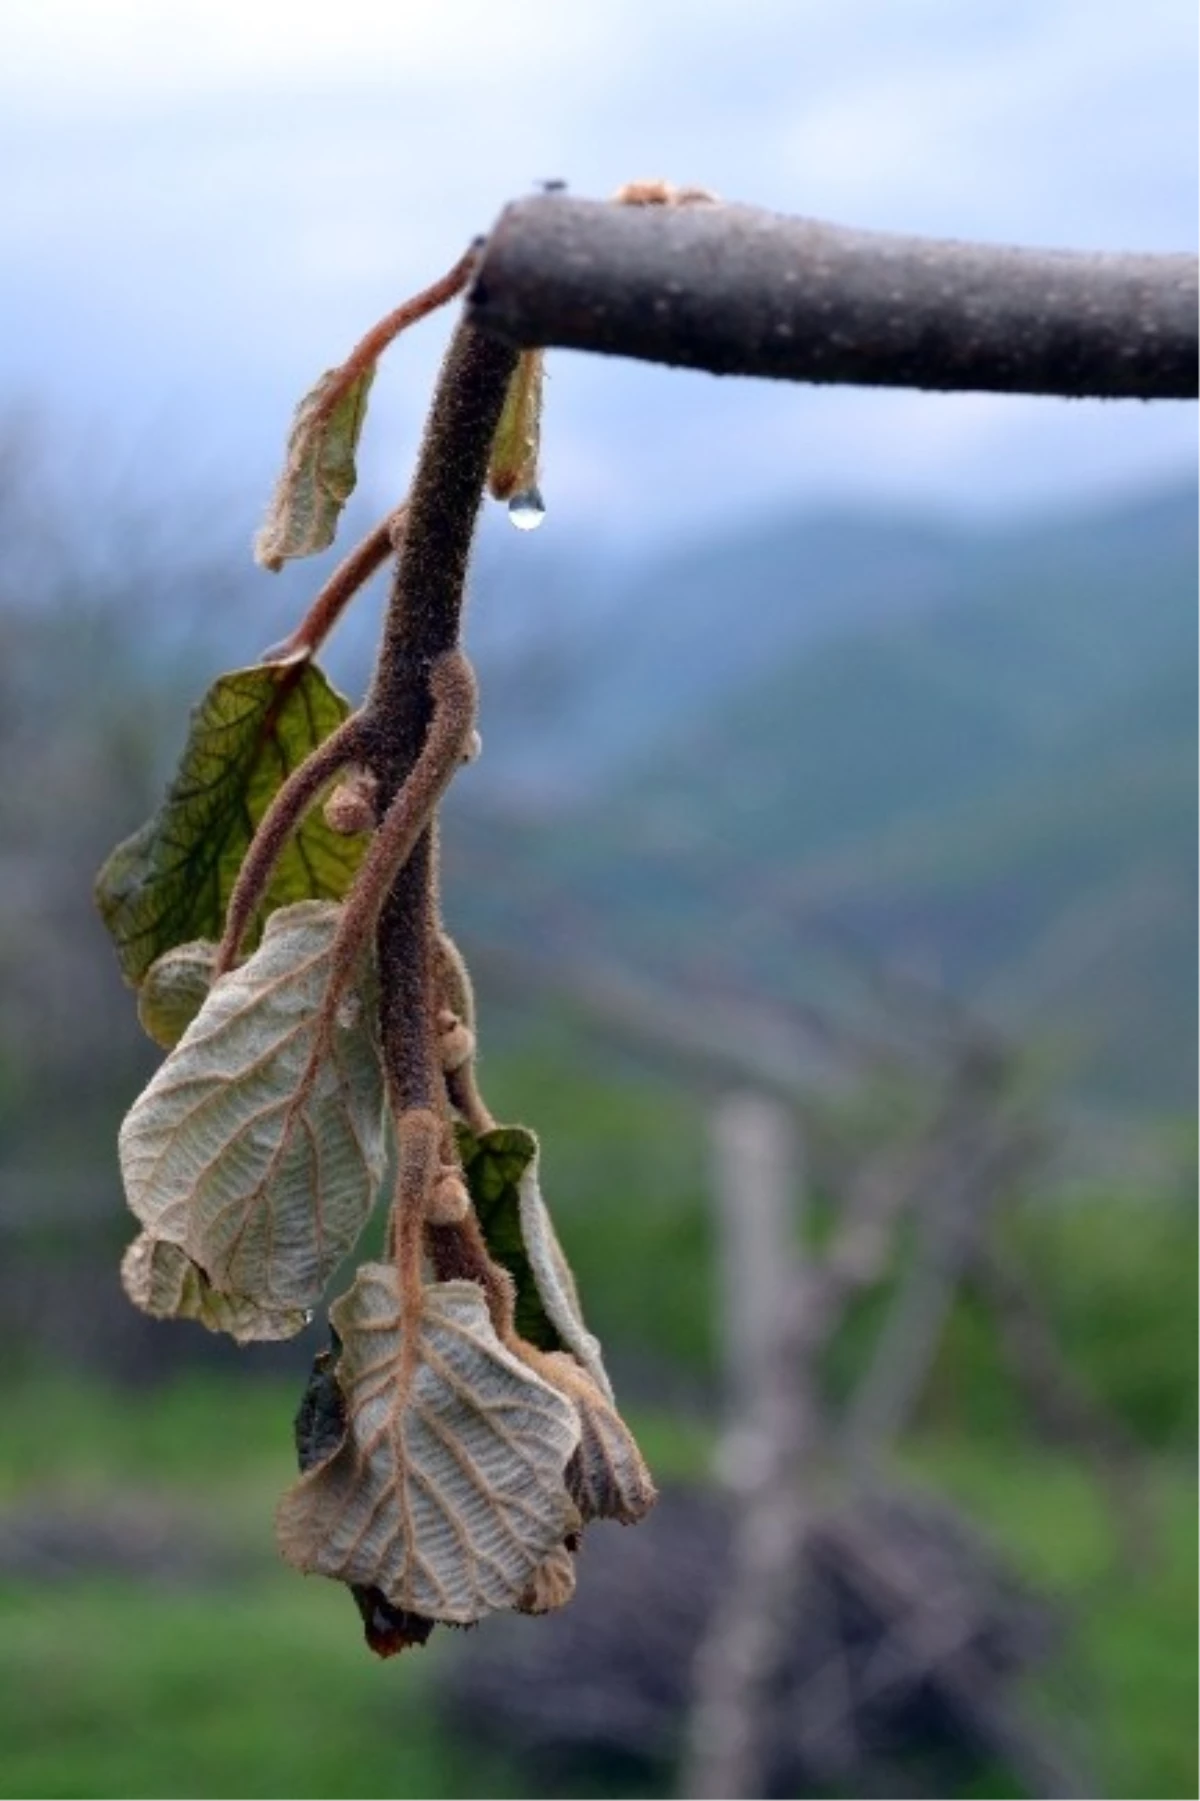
point(275, 828)
point(425, 610)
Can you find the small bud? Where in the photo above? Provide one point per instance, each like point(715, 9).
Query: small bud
point(350, 809)
point(456, 1043)
point(448, 1202)
point(472, 747)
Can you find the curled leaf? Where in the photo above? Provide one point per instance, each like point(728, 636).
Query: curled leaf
point(513, 467)
point(170, 882)
point(319, 471)
point(162, 1280)
point(174, 990)
point(259, 1163)
point(501, 1168)
point(447, 1492)
point(607, 1477)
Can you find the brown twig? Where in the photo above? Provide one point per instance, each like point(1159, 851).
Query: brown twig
point(370, 348)
point(352, 573)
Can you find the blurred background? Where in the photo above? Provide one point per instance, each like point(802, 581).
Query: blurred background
point(827, 876)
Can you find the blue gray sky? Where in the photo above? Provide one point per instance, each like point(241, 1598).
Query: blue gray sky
point(203, 203)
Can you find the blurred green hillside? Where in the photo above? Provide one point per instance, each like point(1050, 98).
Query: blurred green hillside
point(994, 788)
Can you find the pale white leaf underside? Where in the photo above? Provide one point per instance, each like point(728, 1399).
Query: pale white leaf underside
point(261, 1184)
point(450, 1498)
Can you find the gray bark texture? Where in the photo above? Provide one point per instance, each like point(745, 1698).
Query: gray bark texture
point(739, 291)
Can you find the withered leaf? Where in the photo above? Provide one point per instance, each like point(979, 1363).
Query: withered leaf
point(174, 990)
point(263, 1182)
point(501, 1168)
point(162, 1280)
point(513, 466)
point(607, 1477)
point(552, 1584)
point(446, 1498)
point(319, 471)
point(320, 1428)
point(170, 882)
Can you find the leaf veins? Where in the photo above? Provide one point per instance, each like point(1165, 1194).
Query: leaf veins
point(260, 1165)
point(170, 882)
point(449, 1497)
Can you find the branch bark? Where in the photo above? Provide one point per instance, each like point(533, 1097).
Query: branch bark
point(740, 291)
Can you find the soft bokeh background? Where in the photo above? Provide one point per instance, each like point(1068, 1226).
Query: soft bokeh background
point(809, 716)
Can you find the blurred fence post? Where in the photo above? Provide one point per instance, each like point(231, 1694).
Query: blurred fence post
point(756, 1181)
point(770, 1419)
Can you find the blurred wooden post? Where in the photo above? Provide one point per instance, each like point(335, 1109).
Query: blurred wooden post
point(756, 1186)
point(770, 1420)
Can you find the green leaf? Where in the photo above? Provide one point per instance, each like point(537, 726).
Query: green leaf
point(170, 882)
point(255, 1154)
point(448, 1490)
point(493, 1166)
point(501, 1168)
point(319, 473)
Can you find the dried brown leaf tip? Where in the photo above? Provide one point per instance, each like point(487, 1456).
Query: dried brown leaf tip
point(513, 469)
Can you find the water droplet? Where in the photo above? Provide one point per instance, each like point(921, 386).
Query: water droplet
point(349, 1011)
point(308, 1316)
point(527, 510)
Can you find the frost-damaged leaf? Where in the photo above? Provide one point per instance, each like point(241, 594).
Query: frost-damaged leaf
point(163, 1281)
point(551, 1585)
point(319, 472)
point(513, 466)
point(607, 1477)
point(501, 1168)
point(446, 1500)
point(493, 1165)
point(174, 990)
point(320, 1428)
point(265, 1186)
point(171, 881)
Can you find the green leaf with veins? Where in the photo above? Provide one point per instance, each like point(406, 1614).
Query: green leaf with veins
point(319, 471)
point(170, 883)
point(493, 1166)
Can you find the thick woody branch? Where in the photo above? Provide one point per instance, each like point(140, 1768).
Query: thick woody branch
point(739, 291)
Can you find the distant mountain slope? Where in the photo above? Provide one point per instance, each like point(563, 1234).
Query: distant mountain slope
point(995, 784)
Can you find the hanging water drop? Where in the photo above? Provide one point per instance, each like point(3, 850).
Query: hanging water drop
point(527, 510)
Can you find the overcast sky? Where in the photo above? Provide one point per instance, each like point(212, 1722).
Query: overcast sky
point(203, 203)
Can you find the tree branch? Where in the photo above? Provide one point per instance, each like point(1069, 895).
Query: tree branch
point(739, 291)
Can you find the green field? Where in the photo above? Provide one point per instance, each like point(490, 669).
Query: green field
point(211, 1670)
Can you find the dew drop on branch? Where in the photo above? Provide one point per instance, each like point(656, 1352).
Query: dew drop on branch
point(527, 510)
